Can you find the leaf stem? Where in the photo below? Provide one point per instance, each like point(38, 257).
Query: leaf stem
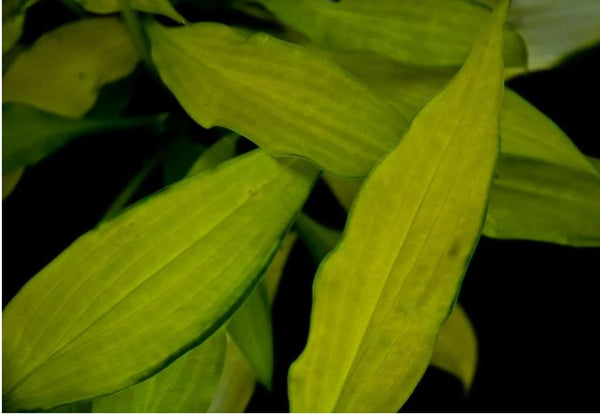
point(137, 33)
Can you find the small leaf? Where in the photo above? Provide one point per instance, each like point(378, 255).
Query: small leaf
point(13, 19)
point(186, 385)
point(162, 7)
point(10, 181)
point(381, 296)
point(456, 345)
point(275, 271)
point(236, 384)
point(126, 299)
point(29, 135)
point(554, 29)
point(222, 150)
point(64, 69)
point(308, 106)
point(418, 32)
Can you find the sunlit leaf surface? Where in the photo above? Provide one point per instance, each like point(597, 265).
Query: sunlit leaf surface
point(129, 297)
point(186, 385)
point(306, 104)
point(526, 133)
point(455, 349)
point(419, 32)
point(381, 296)
point(63, 71)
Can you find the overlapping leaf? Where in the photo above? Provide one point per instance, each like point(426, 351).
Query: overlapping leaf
point(526, 134)
point(127, 298)
point(187, 385)
point(29, 135)
point(456, 345)
point(382, 295)
point(279, 95)
point(553, 29)
point(63, 71)
point(420, 32)
point(162, 7)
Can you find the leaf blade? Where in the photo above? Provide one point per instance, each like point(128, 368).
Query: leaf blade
point(217, 73)
point(39, 368)
point(389, 326)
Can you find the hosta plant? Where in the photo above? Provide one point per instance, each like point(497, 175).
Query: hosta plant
point(398, 107)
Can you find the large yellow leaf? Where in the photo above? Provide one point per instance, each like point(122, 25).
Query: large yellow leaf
point(456, 345)
point(127, 298)
point(281, 96)
point(382, 295)
point(557, 173)
point(63, 71)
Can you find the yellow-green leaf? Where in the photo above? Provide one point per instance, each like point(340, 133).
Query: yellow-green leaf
point(63, 71)
point(525, 133)
point(127, 298)
point(307, 105)
point(13, 18)
point(456, 345)
point(163, 7)
point(10, 181)
point(236, 384)
point(222, 150)
point(381, 296)
point(237, 380)
point(419, 32)
point(557, 203)
point(186, 385)
point(29, 135)
point(553, 29)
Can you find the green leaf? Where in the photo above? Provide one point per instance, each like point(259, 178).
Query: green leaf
point(410, 234)
point(13, 19)
point(308, 106)
point(180, 156)
point(418, 32)
point(250, 328)
point(554, 29)
point(275, 271)
point(129, 297)
point(456, 345)
point(162, 7)
point(29, 135)
point(64, 69)
point(186, 385)
point(526, 133)
point(222, 150)
point(236, 384)
point(556, 203)
point(10, 181)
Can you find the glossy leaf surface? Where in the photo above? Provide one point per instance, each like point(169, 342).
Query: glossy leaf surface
point(410, 234)
point(29, 135)
point(127, 298)
point(186, 385)
point(63, 71)
point(308, 106)
point(418, 32)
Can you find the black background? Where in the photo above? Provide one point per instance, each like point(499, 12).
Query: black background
point(534, 306)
